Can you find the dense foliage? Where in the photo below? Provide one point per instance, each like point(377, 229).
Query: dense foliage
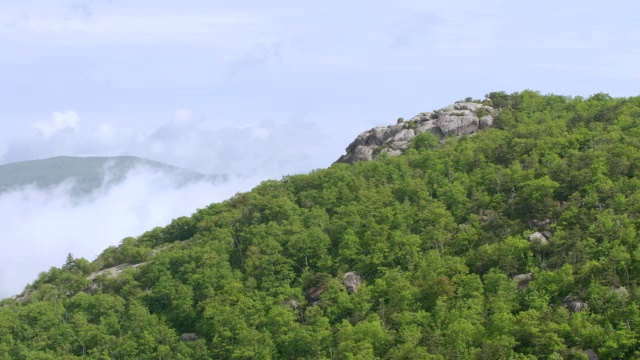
point(437, 236)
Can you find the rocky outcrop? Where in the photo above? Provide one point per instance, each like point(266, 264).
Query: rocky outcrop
point(575, 305)
point(538, 224)
point(24, 296)
point(539, 238)
point(313, 295)
point(292, 303)
point(523, 280)
point(591, 355)
point(351, 282)
point(461, 118)
point(91, 289)
point(188, 337)
point(114, 271)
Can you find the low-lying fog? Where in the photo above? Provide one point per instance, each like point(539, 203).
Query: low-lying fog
point(41, 226)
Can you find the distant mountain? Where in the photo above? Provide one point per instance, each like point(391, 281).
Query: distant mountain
point(89, 173)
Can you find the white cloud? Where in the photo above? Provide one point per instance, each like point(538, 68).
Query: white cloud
point(183, 116)
point(105, 131)
point(186, 140)
point(59, 121)
point(260, 132)
point(127, 28)
point(39, 227)
point(255, 58)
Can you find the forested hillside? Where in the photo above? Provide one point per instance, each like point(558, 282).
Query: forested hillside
point(518, 242)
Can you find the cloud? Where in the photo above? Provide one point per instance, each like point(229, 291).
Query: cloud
point(258, 56)
point(183, 116)
point(78, 26)
point(84, 9)
point(412, 28)
point(260, 132)
point(40, 227)
point(59, 121)
point(244, 146)
point(105, 131)
point(247, 147)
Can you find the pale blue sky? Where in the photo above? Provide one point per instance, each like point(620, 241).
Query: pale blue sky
point(279, 87)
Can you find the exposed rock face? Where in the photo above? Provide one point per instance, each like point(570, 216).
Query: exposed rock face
point(24, 296)
point(292, 304)
point(461, 118)
point(351, 282)
point(91, 289)
point(313, 295)
point(523, 280)
point(538, 238)
point(575, 305)
point(114, 271)
point(538, 224)
point(591, 355)
point(187, 337)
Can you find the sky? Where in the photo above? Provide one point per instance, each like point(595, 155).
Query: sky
point(266, 89)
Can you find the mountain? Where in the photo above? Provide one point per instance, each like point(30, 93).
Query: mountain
point(517, 242)
point(88, 173)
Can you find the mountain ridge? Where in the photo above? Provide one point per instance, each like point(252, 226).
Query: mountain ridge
point(88, 173)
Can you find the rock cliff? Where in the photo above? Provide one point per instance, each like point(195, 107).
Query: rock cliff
point(461, 118)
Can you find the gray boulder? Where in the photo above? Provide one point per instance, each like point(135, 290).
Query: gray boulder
point(313, 295)
point(360, 153)
point(591, 354)
point(523, 280)
point(538, 238)
point(188, 337)
point(351, 282)
point(535, 224)
point(24, 296)
point(486, 121)
point(403, 135)
point(91, 289)
point(575, 305)
point(391, 152)
point(458, 123)
point(292, 304)
point(471, 106)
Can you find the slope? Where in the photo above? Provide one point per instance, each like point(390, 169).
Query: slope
point(519, 242)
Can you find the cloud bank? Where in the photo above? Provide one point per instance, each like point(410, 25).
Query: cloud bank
point(247, 146)
point(59, 121)
point(40, 227)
